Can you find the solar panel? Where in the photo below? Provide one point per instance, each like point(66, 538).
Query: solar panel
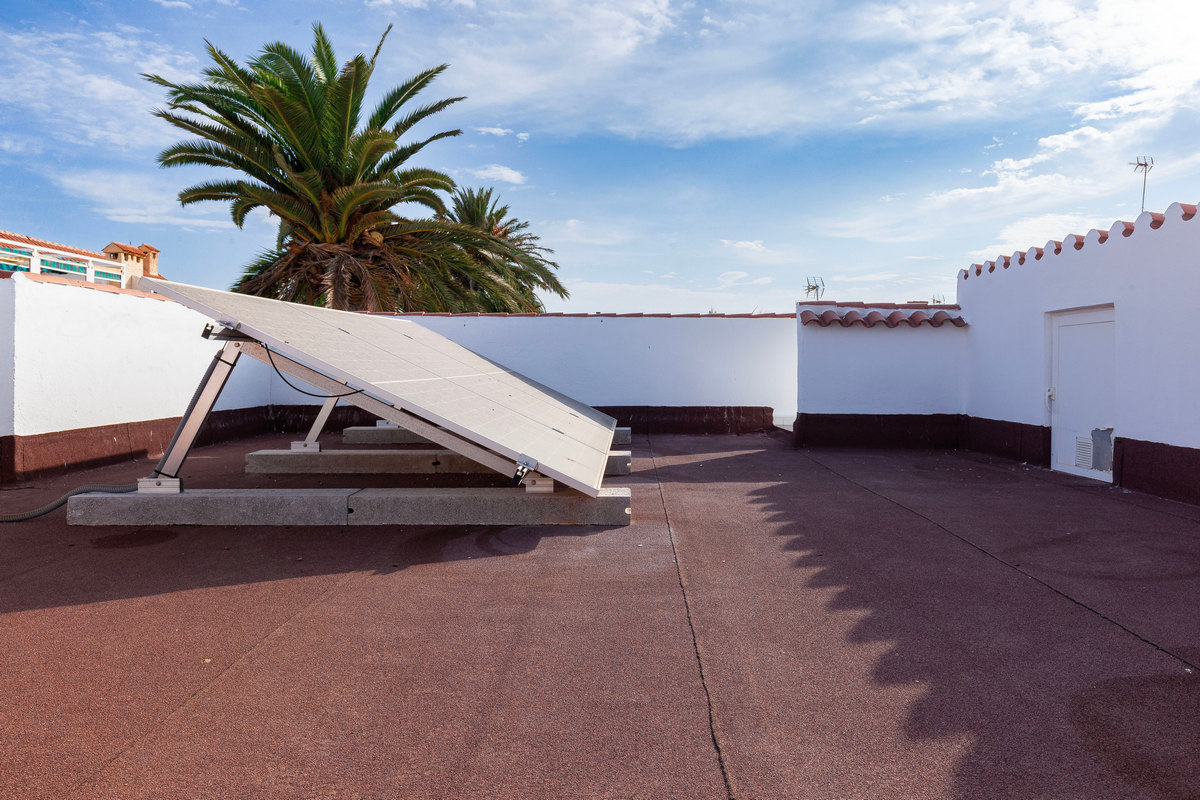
point(414, 369)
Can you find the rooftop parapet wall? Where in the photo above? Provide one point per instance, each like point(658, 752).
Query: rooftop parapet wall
point(879, 359)
point(1146, 271)
point(710, 360)
point(1147, 221)
point(75, 355)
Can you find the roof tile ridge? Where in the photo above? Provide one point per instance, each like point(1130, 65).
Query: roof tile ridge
point(36, 242)
point(1152, 220)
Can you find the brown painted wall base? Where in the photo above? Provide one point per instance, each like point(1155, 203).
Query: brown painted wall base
point(1015, 440)
point(1164, 470)
point(1161, 469)
point(1028, 443)
point(692, 419)
point(939, 431)
point(24, 457)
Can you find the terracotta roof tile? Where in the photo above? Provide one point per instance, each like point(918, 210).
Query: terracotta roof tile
point(16, 237)
point(580, 314)
point(1149, 220)
point(889, 315)
point(137, 250)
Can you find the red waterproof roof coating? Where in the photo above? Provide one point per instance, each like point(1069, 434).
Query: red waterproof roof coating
point(1148, 220)
point(890, 315)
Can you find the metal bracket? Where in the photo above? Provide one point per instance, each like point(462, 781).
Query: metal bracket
point(524, 465)
point(539, 484)
point(225, 334)
point(157, 484)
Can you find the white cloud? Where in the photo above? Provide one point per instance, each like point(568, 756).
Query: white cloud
point(1035, 231)
point(575, 231)
point(498, 172)
point(494, 131)
point(522, 137)
point(146, 199)
point(95, 70)
point(172, 3)
point(681, 73)
point(732, 278)
point(756, 245)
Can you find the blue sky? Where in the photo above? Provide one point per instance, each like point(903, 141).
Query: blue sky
point(677, 156)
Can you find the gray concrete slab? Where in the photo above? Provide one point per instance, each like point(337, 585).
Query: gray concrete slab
point(426, 506)
point(380, 435)
point(213, 507)
point(376, 462)
point(493, 506)
point(361, 434)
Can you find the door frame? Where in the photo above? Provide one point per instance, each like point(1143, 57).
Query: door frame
point(1055, 320)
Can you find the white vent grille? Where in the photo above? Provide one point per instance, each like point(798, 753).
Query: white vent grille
point(1083, 452)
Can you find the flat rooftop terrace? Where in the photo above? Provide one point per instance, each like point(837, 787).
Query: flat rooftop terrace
point(776, 623)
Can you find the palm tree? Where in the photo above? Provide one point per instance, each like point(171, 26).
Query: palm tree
point(290, 125)
point(528, 269)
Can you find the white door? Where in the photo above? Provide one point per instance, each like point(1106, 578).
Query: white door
point(1082, 406)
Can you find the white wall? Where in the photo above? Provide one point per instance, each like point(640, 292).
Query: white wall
point(82, 357)
point(880, 370)
point(1150, 277)
point(642, 361)
point(7, 373)
point(85, 357)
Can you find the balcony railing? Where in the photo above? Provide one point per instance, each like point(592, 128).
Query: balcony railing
point(21, 257)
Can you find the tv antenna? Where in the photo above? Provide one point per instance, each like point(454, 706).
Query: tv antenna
point(1143, 165)
point(815, 289)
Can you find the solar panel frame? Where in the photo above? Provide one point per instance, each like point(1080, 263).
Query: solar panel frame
point(400, 363)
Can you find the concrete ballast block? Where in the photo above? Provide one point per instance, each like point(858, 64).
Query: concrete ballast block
point(500, 506)
point(339, 507)
point(381, 435)
point(383, 462)
point(213, 507)
point(396, 435)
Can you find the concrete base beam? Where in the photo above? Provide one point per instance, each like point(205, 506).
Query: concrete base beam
point(385, 462)
point(340, 507)
point(380, 435)
point(503, 506)
point(396, 435)
point(213, 507)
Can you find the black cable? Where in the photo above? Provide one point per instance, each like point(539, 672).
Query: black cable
point(297, 388)
point(46, 509)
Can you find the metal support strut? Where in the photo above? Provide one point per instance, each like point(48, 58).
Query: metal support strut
point(166, 474)
point(310, 442)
